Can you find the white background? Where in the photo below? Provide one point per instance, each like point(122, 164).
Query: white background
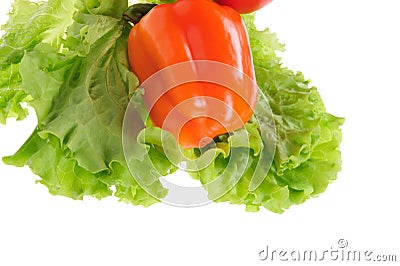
point(350, 50)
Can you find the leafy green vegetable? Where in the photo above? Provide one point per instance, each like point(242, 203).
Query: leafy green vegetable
point(307, 156)
point(10, 104)
point(30, 24)
point(67, 59)
point(80, 94)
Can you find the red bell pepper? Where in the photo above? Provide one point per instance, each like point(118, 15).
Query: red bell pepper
point(244, 6)
point(186, 31)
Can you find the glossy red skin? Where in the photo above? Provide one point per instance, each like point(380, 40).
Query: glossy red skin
point(192, 30)
point(244, 6)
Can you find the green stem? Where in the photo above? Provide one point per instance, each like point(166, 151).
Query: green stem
point(135, 12)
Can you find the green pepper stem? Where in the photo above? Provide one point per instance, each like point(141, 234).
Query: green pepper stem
point(135, 12)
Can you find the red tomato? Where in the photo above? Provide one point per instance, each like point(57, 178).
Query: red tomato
point(244, 6)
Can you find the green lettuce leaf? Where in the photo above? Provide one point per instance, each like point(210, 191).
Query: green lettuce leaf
point(10, 104)
point(29, 24)
point(68, 60)
point(307, 156)
point(62, 175)
point(80, 95)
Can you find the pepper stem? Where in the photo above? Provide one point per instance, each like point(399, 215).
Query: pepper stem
point(135, 12)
